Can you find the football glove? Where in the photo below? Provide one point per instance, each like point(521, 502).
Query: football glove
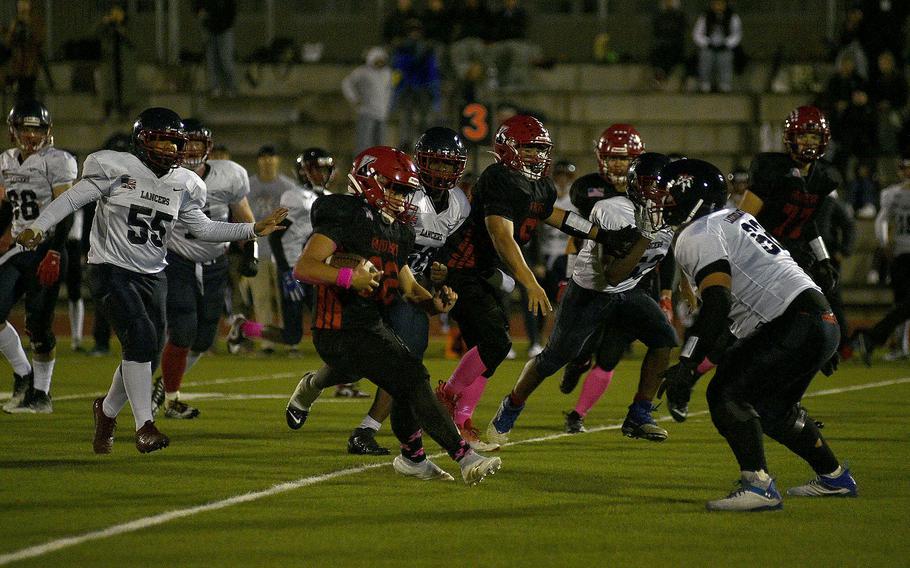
point(291, 288)
point(825, 275)
point(249, 261)
point(677, 382)
point(830, 366)
point(49, 269)
point(666, 306)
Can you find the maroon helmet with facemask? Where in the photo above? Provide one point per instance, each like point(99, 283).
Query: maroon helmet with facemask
point(806, 120)
point(618, 141)
point(516, 132)
point(387, 179)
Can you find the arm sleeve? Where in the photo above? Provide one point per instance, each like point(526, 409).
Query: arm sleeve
point(698, 33)
point(736, 32)
point(205, 229)
point(349, 86)
point(667, 271)
point(882, 219)
point(74, 198)
point(277, 247)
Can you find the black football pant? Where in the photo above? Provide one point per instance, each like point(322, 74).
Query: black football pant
point(482, 318)
point(195, 296)
point(380, 356)
point(900, 283)
point(18, 278)
point(759, 383)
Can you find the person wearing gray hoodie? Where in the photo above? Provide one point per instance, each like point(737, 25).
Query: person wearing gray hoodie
point(369, 89)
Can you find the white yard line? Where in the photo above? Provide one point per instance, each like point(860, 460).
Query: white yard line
point(250, 379)
point(154, 520)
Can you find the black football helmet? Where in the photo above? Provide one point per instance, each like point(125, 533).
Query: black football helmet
point(30, 126)
point(155, 125)
point(686, 190)
point(642, 177)
point(439, 144)
point(315, 167)
point(196, 154)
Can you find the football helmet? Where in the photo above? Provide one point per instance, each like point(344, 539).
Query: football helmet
point(196, 154)
point(618, 142)
point(439, 144)
point(156, 125)
point(806, 120)
point(30, 126)
point(387, 179)
point(519, 132)
point(686, 190)
point(642, 177)
point(315, 167)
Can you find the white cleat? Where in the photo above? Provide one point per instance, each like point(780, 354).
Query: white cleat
point(298, 407)
point(749, 496)
point(425, 470)
point(496, 437)
point(475, 467)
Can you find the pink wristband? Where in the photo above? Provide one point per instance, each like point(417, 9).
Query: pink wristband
point(344, 278)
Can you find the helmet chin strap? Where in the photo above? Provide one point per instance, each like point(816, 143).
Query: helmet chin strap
point(694, 210)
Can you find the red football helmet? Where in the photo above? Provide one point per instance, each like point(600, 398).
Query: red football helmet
point(618, 141)
point(386, 178)
point(523, 131)
point(806, 120)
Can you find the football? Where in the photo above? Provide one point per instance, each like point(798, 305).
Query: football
point(349, 260)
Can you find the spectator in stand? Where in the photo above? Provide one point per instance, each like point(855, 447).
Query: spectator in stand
point(850, 42)
point(369, 90)
point(24, 42)
point(418, 96)
point(838, 98)
point(668, 48)
point(217, 17)
point(511, 53)
point(394, 29)
point(859, 141)
point(862, 191)
point(469, 53)
point(717, 34)
point(437, 23)
point(889, 94)
point(119, 62)
point(883, 27)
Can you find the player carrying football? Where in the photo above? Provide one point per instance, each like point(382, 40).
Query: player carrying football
point(350, 332)
point(140, 196)
point(784, 327)
point(33, 174)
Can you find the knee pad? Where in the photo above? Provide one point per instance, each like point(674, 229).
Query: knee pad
point(725, 410)
point(493, 353)
point(792, 423)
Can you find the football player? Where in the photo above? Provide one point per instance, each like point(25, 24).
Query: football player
point(785, 330)
point(510, 199)
point(442, 208)
point(140, 196)
point(350, 331)
point(892, 228)
point(603, 295)
point(32, 173)
point(197, 270)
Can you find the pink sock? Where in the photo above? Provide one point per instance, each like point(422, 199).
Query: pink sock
point(468, 400)
point(252, 328)
point(469, 368)
point(595, 385)
point(705, 366)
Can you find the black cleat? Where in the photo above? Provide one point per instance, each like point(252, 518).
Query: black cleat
point(295, 417)
point(575, 423)
point(150, 439)
point(157, 395)
point(22, 384)
point(363, 443)
point(35, 402)
point(572, 373)
point(180, 410)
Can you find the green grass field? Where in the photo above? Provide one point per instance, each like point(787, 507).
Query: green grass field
point(558, 500)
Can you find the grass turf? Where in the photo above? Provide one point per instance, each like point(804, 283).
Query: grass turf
point(566, 501)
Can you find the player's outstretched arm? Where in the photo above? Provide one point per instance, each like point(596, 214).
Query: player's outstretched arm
point(74, 198)
point(439, 303)
point(216, 231)
point(616, 243)
point(312, 268)
point(501, 230)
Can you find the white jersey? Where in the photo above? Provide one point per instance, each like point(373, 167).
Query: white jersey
point(135, 218)
point(299, 202)
point(434, 228)
point(553, 242)
point(30, 185)
point(765, 278)
point(226, 183)
point(265, 197)
point(893, 221)
point(78, 223)
point(612, 214)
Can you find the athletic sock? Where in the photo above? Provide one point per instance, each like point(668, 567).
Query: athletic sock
point(705, 366)
point(760, 478)
point(44, 370)
point(461, 451)
point(640, 397)
point(137, 380)
point(191, 359)
point(469, 368)
point(173, 365)
point(169, 396)
point(834, 474)
point(252, 328)
point(516, 401)
point(412, 448)
point(116, 396)
point(11, 347)
point(594, 387)
point(77, 317)
point(370, 423)
point(468, 400)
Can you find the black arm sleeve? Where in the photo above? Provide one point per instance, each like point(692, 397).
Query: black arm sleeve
point(666, 271)
point(61, 233)
point(711, 324)
point(275, 239)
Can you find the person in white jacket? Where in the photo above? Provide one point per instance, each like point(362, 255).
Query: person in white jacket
point(369, 90)
point(717, 33)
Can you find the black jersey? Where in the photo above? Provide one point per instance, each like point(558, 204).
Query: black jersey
point(588, 190)
point(359, 229)
point(506, 193)
point(790, 199)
